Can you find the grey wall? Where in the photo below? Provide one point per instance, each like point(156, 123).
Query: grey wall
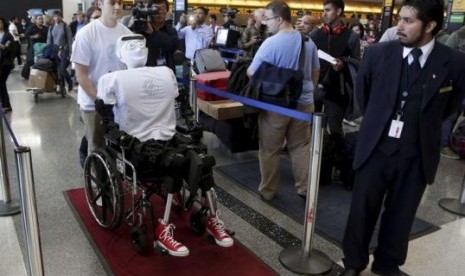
point(9, 8)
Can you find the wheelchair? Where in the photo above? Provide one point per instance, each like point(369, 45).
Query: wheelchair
point(117, 190)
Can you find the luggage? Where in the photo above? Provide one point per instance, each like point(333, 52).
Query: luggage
point(457, 140)
point(238, 135)
point(208, 60)
point(218, 80)
point(43, 80)
point(337, 156)
point(238, 79)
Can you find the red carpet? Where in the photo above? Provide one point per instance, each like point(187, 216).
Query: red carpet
point(205, 258)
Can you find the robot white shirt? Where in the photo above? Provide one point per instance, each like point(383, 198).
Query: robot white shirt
point(143, 97)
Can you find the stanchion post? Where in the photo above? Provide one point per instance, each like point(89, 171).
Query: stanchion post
point(304, 259)
point(29, 211)
point(6, 207)
point(193, 94)
point(453, 205)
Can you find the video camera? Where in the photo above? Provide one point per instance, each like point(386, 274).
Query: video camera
point(140, 13)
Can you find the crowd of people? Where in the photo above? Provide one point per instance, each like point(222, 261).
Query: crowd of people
point(396, 149)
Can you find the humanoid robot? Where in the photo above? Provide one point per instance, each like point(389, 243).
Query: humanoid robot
point(137, 107)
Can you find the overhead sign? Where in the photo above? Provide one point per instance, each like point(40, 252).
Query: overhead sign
point(458, 6)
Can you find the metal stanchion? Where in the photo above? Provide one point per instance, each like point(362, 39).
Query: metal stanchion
point(6, 207)
point(303, 259)
point(29, 211)
point(193, 99)
point(453, 205)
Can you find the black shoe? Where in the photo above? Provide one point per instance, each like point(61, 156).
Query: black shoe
point(70, 87)
point(350, 272)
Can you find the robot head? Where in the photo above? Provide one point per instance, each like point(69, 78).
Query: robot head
point(131, 50)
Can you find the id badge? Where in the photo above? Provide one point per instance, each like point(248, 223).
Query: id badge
point(396, 128)
point(161, 61)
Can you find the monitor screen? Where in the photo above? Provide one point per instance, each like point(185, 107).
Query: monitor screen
point(222, 37)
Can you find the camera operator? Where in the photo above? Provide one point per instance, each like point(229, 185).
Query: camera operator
point(149, 19)
point(162, 39)
point(253, 35)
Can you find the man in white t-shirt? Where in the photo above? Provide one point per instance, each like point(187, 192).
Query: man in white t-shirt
point(94, 55)
point(141, 100)
point(13, 29)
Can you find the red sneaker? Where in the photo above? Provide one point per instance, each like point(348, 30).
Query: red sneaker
point(215, 227)
point(164, 236)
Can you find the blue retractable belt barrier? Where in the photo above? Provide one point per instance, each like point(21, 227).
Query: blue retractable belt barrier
point(258, 104)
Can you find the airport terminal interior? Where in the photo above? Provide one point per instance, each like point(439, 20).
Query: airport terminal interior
point(52, 129)
point(50, 125)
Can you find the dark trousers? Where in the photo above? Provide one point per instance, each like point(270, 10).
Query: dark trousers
point(64, 75)
point(397, 181)
point(5, 71)
point(17, 49)
point(334, 115)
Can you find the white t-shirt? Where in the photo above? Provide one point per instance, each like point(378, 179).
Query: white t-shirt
point(13, 29)
point(144, 101)
point(95, 46)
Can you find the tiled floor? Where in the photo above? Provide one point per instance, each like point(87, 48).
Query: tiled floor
point(52, 129)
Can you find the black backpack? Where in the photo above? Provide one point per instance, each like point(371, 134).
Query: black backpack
point(238, 79)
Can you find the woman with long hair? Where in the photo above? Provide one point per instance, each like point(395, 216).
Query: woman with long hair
point(6, 62)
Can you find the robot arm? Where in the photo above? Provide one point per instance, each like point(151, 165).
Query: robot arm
point(189, 127)
point(112, 131)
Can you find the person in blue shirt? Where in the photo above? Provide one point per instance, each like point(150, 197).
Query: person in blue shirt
point(276, 129)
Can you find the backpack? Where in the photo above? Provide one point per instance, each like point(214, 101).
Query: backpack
point(208, 60)
point(457, 140)
point(238, 80)
point(277, 85)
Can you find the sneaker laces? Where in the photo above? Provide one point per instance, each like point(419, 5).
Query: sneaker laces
point(167, 235)
point(218, 224)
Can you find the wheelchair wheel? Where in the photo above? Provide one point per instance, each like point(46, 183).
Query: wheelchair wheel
point(104, 191)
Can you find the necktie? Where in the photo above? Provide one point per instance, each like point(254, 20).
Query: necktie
point(414, 68)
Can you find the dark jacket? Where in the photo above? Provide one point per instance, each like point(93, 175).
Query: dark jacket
point(162, 44)
point(339, 45)
point(377, 87)
point(33, 30)
point(7, 55)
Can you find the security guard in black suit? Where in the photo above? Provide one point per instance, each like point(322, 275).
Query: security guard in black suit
point(405, 88)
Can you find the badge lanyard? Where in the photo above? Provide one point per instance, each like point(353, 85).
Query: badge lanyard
point(397, 125)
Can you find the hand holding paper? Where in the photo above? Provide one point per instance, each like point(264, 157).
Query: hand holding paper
point(325, 56)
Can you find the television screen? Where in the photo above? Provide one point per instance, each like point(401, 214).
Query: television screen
point(222, 37)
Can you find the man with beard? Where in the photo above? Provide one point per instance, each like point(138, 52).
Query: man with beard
point(404, 88)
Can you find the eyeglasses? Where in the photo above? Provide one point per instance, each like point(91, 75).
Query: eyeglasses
point(270, 18)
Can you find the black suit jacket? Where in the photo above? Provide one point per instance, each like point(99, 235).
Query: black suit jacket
point(377, 87)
